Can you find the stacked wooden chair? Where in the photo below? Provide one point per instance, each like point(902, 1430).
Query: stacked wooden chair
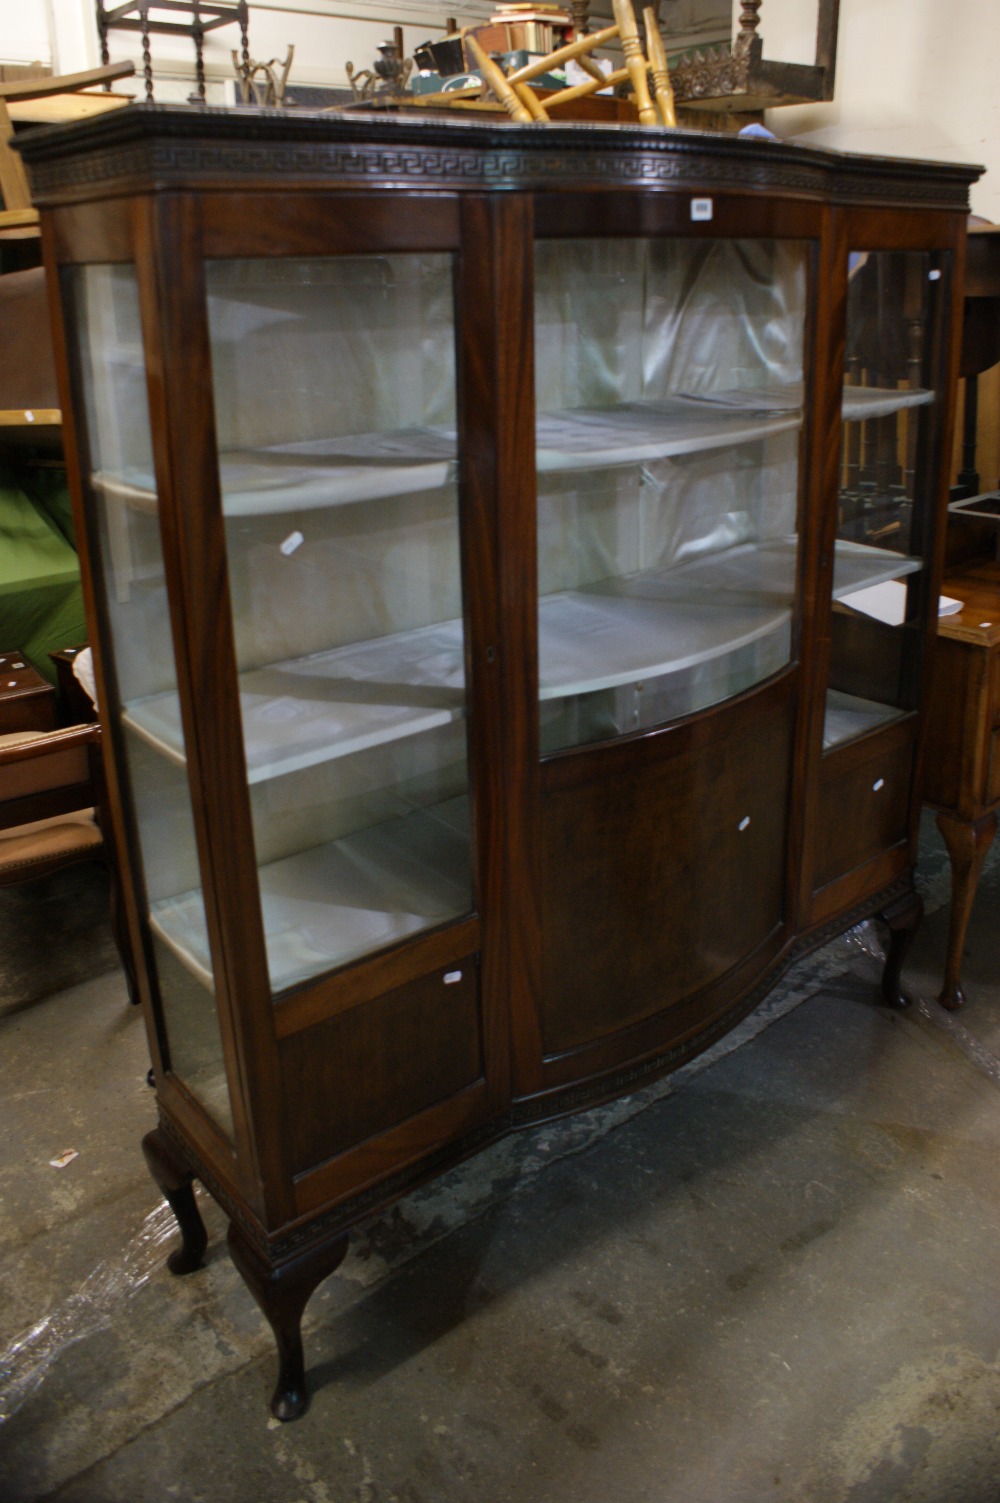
point(18, 214)
point(655, 104)
point(53, 814)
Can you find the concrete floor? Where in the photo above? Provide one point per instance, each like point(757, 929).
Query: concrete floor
point(771, 1277)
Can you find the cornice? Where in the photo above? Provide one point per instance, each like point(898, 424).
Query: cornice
point(150, 148)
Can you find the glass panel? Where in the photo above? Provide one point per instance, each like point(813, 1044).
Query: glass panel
point(335, 400)
point(888, 408)
point(117, 415)
point(669, 389)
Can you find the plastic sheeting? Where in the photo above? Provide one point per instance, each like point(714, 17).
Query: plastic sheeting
point(27, 1359)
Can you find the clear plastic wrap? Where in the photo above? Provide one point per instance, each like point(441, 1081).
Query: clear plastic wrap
point(27, 1359)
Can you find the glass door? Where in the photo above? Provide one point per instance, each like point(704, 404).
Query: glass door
point(139, 661)
point(669, 378)
point(334, 386)
point(886, 483)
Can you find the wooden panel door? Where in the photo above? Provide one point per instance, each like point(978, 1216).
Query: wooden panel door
point(895, 300)
point(663, 870)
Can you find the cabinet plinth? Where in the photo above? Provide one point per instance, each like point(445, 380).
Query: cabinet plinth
point(512, 598)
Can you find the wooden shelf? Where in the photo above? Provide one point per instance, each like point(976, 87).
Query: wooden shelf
point(643, 851)
point(317, 473)
point(18, 417)
point(632, 432)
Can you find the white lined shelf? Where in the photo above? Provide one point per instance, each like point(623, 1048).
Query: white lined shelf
point(337, 471)
point(335, 902)
point(635, 431)
point(309, 710)
point(862, 402)
point(848, 716)
point(329, 472)
point(856, 566)
point(305, 711)
point(657, 622)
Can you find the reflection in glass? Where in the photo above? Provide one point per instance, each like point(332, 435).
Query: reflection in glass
point(669, 383)
point(117, 417)
point(888, 408)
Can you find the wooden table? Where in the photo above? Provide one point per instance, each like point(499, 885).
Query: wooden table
point(75, 704)
point(962, 759)
point(27, 702)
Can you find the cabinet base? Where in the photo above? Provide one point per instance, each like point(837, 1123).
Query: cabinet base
point(283, 1271)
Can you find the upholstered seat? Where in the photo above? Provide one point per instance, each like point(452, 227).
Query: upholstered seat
point(47, 792)
point(24, 851)
point(51, 798)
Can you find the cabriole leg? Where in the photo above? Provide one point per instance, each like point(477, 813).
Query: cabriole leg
point(176, 1181)
point(903, 919)
point(282, 1292)
point(968, 843)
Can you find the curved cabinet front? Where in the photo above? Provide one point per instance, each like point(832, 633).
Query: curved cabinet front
point(663, 864)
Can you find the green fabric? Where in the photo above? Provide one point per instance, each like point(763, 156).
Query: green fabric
point(41, 601)
point(47, 488)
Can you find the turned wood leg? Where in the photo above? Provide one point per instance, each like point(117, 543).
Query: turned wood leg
point(282, 1292)
point(903, 919)
point(176, 1181)
point(968, 843)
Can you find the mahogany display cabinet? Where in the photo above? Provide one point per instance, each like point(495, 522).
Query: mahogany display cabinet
point(512, 554)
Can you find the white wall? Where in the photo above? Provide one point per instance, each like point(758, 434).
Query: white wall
point(915, 78)
point(74, 35)
point(24, 32)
